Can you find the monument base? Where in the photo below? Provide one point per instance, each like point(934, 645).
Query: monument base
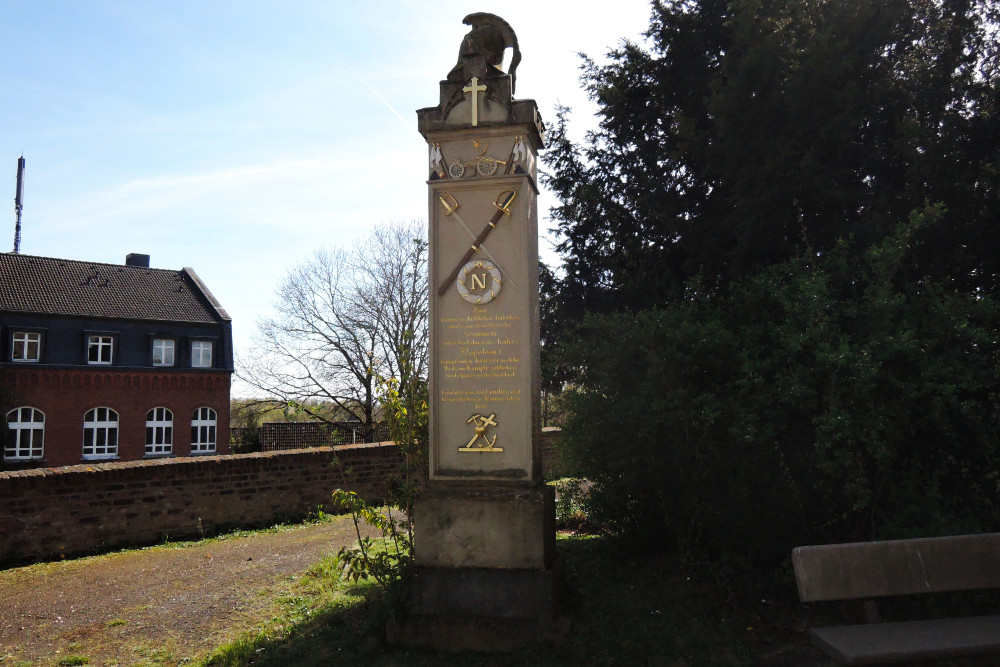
point(486, 574)
point(479, 609)
point(510, 528)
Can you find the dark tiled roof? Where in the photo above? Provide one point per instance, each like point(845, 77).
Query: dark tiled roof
point(67, 287)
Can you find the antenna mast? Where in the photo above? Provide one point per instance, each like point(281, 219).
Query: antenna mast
point(19, 203)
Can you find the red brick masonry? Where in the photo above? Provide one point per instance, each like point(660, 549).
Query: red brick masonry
point(65, 396)
point(54, 512)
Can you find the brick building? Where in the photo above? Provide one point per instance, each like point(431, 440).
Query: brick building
point(111, 362)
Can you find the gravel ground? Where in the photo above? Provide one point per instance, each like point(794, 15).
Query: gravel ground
point(163, 605)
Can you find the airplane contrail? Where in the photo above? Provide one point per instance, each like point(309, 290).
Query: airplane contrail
point(379, 96)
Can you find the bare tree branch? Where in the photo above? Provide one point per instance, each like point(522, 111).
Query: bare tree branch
point(343, 320)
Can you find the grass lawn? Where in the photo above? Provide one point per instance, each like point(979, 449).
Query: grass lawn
point(627, 608)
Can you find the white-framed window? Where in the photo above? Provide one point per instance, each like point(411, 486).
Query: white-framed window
point(27, 346)
point(203, 431)
point(26, 435)
point(163, 352)
point(99, 349)
point(159, 432)
point(100, 434)
point(201, 354)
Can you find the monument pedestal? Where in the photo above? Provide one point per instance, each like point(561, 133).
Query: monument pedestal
point(486, 576)
point(485, 527)
point(473, 609)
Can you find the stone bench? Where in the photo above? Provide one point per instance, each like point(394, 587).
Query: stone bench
point(864, 571)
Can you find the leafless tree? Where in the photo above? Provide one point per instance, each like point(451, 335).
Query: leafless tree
point(391, 291)
point(344, 319)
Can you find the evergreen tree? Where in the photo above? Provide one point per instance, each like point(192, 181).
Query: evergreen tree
point(777, 305)
point(748, 128)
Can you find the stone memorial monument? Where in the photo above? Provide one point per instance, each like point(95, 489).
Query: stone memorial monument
point(484, 535)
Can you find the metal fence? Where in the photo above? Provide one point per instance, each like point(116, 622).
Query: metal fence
point(277, 436)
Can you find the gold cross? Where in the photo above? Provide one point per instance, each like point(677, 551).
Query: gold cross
point(475, 89)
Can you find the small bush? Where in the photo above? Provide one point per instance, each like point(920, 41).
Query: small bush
point(571, 503)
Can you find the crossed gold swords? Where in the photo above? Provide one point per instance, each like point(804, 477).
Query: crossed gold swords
point(502, 204)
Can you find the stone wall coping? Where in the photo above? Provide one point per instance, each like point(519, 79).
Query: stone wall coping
point(198, 459)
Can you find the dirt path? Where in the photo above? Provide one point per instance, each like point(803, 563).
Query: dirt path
point(163, 605)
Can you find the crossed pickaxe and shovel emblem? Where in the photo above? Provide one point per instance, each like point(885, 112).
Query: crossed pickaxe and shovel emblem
point(502, 204)
point(480, 424)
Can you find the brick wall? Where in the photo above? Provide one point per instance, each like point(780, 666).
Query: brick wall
point(65, 396)
point(54, 512)
point(273, 436)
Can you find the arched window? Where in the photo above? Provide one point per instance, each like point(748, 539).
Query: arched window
point(203, 431)
point(159, 432)
point(26, 437)
point(100, 434)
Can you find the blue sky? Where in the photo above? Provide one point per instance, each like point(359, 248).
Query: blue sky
point(235, 136)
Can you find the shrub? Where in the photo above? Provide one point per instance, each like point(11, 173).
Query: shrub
point(823, 399)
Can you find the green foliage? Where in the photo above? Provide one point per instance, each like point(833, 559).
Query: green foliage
point(739, 125)
point(384, 562)
point(405, 404)
point(571, 503)
point(252, 412)
point(74, 660)
point(758, 353)
point(628, 607)
point(822, 399)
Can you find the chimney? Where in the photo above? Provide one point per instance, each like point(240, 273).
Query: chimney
point(135, 259)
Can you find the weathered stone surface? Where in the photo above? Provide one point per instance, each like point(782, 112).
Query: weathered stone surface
point(483, 265)
point(897, 567)
point(485, 528)
point(486, 593)
point(485, 357)
point(888, 643)
point(464, 609)
point(866, 570)
point(482, 51)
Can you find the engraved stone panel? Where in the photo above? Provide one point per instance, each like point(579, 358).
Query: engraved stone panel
point(483, 384)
